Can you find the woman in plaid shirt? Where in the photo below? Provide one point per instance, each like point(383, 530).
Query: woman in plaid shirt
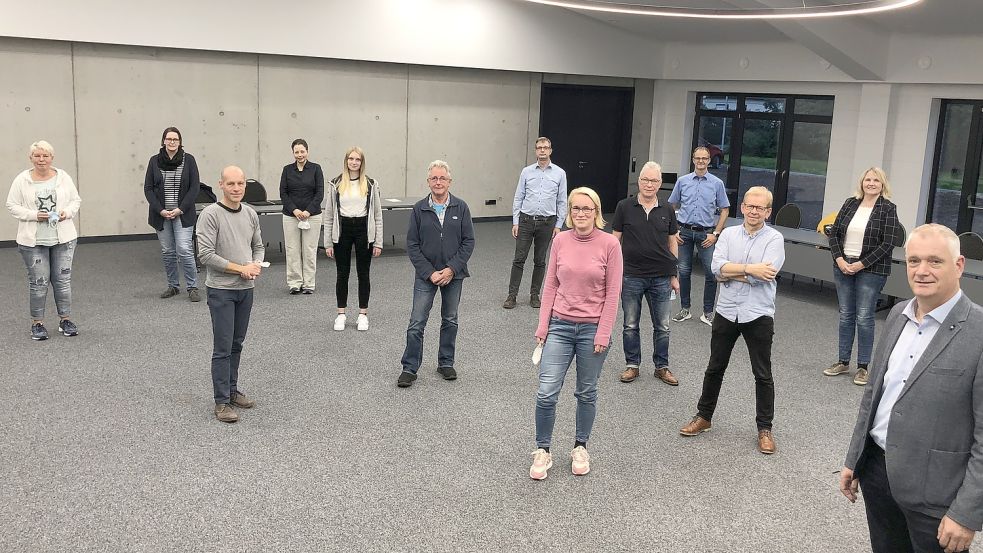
point(864, 233)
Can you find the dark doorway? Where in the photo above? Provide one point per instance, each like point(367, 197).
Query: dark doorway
point(590, 127)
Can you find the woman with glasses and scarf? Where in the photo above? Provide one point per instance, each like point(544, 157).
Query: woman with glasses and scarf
point(171, 187)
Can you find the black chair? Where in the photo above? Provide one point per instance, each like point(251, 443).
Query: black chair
point(255, 193)
point(788, 216)
point(902, 236)
point(205, 194)
point(971, 245)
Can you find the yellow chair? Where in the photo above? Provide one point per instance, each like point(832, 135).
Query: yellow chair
point(827, 220)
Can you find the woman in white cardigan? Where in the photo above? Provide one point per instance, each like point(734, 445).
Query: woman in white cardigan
point(353, 220)
point(44, 200)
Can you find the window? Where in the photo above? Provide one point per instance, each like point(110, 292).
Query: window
point(777, 141)
point(956, 198)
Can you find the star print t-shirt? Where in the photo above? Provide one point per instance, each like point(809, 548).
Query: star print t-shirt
point(47, 234)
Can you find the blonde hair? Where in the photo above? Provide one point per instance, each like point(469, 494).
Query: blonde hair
point(599, 221)
point(760, 191)
point(939, 230)
point(881, 175)
point(42, 145)
point(363, 180)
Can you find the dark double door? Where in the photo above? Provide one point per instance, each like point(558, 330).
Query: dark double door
point(590, 127)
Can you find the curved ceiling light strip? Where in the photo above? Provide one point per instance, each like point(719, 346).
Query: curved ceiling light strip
point(857, 7)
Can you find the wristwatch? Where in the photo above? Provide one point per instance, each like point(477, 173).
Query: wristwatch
point(716, 233)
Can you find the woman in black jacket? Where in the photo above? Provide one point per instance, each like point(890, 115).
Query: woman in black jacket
point(171, 187)
point(861, 241)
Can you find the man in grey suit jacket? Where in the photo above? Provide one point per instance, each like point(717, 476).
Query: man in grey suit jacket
point(917, 448)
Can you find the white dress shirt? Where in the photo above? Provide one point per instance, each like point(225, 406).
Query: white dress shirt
point(907, 351)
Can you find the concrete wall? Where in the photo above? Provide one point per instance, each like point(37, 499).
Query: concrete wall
point(110, 103)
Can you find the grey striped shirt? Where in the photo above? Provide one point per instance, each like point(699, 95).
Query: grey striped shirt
point(172, 186)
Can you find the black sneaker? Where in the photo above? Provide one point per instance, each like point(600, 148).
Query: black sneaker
point(307, 291)
point(68, 328)
point(194, 295)
point(534, 301)
point(38, 332)
point(170, 293)
point(294, 291)
point(447, 372)
point(405, 379)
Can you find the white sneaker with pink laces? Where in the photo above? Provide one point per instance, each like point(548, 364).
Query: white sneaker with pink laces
point(581, 461)
point(542, 460)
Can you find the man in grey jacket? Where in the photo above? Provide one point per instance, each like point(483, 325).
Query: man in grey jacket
point(231, 249)
point(917, 448)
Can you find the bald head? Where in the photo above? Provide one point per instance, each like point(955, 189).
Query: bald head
point(233, 185)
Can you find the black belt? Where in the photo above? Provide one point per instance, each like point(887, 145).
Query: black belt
point(538, 217)
point(696, 227)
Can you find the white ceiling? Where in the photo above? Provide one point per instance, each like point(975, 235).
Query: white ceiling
point(930, 17)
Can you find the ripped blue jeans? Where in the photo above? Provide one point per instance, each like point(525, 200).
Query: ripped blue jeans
point(49, 264)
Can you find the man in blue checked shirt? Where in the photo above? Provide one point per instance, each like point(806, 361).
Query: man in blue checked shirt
point(746, 261)
point(698, 196)
point(540, 196)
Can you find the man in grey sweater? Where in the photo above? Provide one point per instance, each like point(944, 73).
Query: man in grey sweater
point(231, 249)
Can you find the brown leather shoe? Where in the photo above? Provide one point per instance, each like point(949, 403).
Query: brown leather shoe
point(630, 374)
point(225, 413)
point(665, 375)
point(766, 442)
point(509, 302)
point(239, 399)
point(695, 427)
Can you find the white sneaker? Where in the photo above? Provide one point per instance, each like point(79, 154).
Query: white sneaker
point(581, 461)
point(363, 321)
point(707, 318)
point(541, 462)
point(339, 322)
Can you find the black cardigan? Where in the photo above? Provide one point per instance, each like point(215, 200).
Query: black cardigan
point(880, 236)
point(153, 189)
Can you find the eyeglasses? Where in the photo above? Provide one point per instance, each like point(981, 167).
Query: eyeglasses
point(584, 210)
point(646, 180)
point(439, 179)
point(933, 262)
point(544, 148)
point(761, 208)
point(172, 140)
point(701, 159)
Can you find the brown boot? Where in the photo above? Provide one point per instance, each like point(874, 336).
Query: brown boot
point(766, 441)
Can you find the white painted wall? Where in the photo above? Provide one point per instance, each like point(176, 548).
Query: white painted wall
point(486, 34)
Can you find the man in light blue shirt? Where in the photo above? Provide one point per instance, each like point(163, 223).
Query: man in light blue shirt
point(745, 261)
point(540, 197)
point(698, 197)
point(917, 447)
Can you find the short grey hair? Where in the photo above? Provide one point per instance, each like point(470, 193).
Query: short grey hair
point(939, 230)
point(439, 164)
point(651, 165)
point(42, 145)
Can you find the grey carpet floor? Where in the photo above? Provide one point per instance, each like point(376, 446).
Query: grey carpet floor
point(109, 442)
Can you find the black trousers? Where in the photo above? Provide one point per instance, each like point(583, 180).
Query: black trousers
point(537, 232)
point(354, 233)
point(892, 528)
point(758, 336)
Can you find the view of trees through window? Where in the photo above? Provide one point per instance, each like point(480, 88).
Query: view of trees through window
point(780, 142)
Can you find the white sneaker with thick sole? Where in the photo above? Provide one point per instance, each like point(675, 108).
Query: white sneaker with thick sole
point(542, 460)
point(581, 461)
point(363, 321)
point(707, 318)
point(339, 322)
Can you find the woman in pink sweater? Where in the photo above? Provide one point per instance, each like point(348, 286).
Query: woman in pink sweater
point(580, 301)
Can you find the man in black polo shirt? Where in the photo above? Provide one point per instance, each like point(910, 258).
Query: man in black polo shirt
point(647, 234)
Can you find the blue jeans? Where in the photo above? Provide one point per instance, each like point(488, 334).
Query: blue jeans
point(49, 264)
point(176, 244)
point(423, 295)
point(656, 291)
point(857, 295)
point(230, 311)
point(566, 341)
point(692, 240)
